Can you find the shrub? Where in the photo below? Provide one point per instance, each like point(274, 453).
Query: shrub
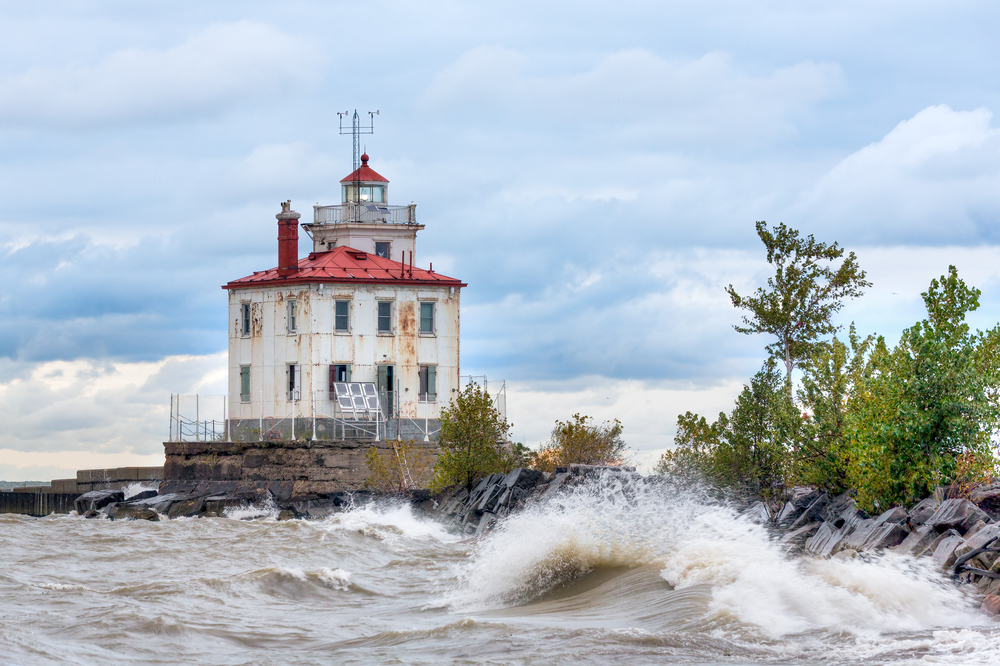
point(472, 441)
point(405, 467)
point(580, 441)
point(748, 450)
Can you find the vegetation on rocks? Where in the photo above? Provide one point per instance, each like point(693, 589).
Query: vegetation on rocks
point(473, 441)
point(403, 467)
point(889, 423)
point(580, 440)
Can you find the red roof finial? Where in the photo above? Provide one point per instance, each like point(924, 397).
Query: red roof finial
point(364, 158)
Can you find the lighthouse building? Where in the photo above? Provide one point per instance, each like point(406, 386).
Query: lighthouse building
point(358, 309)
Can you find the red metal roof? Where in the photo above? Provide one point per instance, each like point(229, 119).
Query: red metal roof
point(345, 265)
point(364, 173)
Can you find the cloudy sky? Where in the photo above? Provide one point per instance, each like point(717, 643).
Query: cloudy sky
point(592, 170)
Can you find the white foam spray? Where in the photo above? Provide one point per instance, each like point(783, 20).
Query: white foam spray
point(618, 521)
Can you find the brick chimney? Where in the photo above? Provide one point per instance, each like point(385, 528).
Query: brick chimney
point(288, 240)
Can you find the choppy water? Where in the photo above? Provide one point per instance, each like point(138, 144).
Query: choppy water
point(646, 574)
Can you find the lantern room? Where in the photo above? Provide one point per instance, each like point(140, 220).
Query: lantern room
point(364, 185)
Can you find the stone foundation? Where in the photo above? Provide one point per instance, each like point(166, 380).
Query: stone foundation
point(289, 470)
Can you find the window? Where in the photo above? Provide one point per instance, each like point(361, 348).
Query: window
point(385, 316)
point(294, 382)
point(292, 327)
point(427, 318)
point(428, 383)
point(340, 372)
point(366, 193)
point(245, 318)
point(382, 249)
point(342, 316)
point(244, 383)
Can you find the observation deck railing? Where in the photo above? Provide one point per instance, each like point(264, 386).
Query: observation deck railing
point(365, 212)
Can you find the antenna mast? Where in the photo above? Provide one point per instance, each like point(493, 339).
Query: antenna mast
point(357, 130)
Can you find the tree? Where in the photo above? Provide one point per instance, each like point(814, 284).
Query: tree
point(830, 375)
point(472, 441)
point(926, 410)
point(580, 441)
point(746, 451)
point(802, 296)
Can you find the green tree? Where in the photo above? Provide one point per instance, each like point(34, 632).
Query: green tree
point(926, 410)
point(580, 441)
point(472, 441)
point(746, 451)
point(802, 295)
point(829, 376)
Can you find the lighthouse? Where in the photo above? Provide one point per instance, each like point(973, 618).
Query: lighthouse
point(359, 313)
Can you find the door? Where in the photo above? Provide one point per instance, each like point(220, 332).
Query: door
point(385, 380)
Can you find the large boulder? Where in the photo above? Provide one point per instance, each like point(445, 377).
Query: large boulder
point(944, 552)
point(917, 541)
point(97, 499)
point(987, 535)
point(923, 510)
point(130, 512)
point(956, 514)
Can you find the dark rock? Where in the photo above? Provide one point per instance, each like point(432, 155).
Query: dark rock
point(186, 508)
point(144, 495)
point(97, 499)
point(287, 514)
point(989, 533)
point(956, 514)
point(923, 510)
point(991, 604)
point(813, 511)
point(93, 513)
point(917, 541)
point(944, 550)
point(129, 512)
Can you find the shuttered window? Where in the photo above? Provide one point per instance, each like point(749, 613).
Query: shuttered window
point(428, 383)
point(245, 318)
point(244, 383)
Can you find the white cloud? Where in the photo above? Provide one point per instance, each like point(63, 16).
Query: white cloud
point(695, 99)
point(214, 69)
point(935, 178)
point(99, 407)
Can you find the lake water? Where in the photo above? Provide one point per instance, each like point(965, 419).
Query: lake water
point(603, 574)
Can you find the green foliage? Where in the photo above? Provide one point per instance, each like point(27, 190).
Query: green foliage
point(927, 406)
point(472, 441)
point(580, 441)
point(829, 378)
point(395, 471)
point(804, 293)
point(748, 450)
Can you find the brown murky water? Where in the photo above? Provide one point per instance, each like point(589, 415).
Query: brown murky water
point(603, 575)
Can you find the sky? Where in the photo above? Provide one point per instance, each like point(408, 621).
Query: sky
point(593, 171)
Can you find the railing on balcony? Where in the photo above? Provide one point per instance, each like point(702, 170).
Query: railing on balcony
point(365, 212)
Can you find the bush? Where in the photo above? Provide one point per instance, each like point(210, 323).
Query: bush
point(579, 441)
point(404, 468)
point(925, 411)
point(473, 441)
point(747, 451)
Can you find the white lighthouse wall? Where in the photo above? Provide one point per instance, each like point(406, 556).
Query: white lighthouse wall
point(314, 346)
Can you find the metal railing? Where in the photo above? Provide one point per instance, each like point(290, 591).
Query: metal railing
point(198, 418)
point(365, 212)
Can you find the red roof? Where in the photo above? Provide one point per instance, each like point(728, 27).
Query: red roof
point(364, 173)
point(345, 265)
